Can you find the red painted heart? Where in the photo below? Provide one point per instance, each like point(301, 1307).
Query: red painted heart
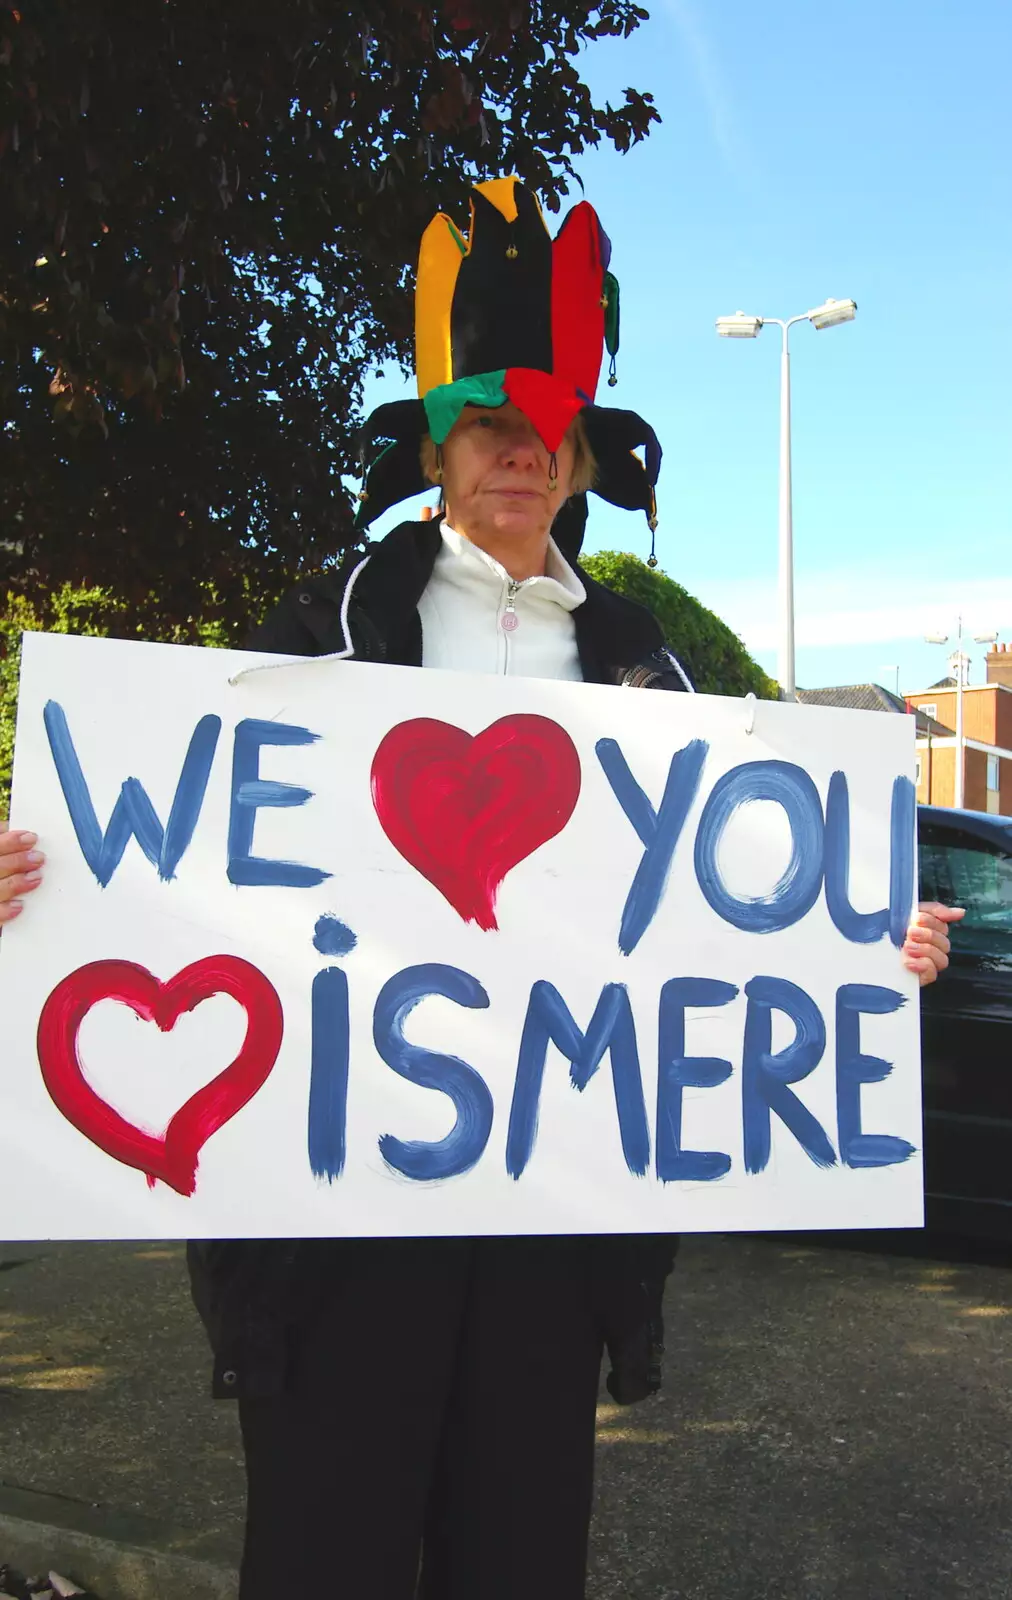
point(172, 1156)
point(464, 811)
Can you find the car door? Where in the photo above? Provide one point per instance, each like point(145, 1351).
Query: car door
point(967, 1023)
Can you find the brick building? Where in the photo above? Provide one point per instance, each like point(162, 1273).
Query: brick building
point(987, 739)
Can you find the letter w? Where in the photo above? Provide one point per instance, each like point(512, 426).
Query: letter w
point(133, 812)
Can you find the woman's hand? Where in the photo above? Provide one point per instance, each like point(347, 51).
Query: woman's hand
point(20, 870)
point(926, 950)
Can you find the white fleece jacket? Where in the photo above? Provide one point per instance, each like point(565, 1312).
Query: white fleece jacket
point(467, 599)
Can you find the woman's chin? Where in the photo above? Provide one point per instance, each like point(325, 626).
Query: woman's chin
point(520, 515)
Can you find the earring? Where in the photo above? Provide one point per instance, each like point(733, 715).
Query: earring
point(652, 525)
point(553, 472)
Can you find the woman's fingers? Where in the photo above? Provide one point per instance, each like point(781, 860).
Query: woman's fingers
point(923, 965)
point(17, 850)
point(12, 902)
point(16, 862)
point(929, 910)
point(20, 883)
point(20, 873)
point(931, 964)
point(926, 953)
point(13, 838)
point(926, 960)
point(926, 947)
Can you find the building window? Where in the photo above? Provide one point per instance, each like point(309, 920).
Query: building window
point(917, 772)
point(930, 711)
point(992, 772)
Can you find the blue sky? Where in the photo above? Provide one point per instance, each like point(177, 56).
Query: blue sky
point(805, 152)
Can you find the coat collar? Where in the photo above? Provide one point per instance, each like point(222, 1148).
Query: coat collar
point(612, 633)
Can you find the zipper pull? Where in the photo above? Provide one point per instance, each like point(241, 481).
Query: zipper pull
point(509, 622)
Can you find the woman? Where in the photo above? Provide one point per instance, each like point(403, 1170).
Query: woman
point(418, 1416)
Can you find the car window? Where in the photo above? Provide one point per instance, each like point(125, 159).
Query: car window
point(964, 871)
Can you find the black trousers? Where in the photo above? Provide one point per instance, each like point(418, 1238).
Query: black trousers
point(437, 1435)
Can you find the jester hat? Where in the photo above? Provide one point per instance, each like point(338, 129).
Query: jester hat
point(504, 312)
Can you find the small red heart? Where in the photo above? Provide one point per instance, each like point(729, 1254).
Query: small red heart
point(173, 1156)
point(465, 810)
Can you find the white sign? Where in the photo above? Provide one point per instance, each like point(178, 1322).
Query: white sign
point(330, 948)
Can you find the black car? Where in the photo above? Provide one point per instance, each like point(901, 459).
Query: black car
point(966, 1020)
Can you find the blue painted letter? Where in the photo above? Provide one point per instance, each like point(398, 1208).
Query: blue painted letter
point(853, 1069)
point(903, 831)
point(463, 1145)
point(864, 927)
point(250, 792)
point(677, 1071)
point(765, 1076)
point(133, 812)
point(549, 1021)
point(798, 889)
point(328, 1083)
point(860, 927)
point(657, 831)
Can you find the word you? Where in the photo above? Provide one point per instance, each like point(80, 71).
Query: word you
point(537, 783)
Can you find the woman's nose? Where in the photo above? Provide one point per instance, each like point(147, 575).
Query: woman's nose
point(518, 449)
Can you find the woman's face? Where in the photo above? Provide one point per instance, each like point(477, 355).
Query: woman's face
point(495, 473)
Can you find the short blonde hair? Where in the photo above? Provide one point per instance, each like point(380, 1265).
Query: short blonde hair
point(584, 462)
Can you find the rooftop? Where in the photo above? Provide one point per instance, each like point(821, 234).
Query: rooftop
point(870, 697)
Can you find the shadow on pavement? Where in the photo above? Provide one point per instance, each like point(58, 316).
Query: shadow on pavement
point(835, 1425)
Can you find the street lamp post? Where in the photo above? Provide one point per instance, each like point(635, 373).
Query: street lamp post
point(740, 326)
point(959, 787)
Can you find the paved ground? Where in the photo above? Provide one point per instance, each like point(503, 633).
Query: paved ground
point(104, 1388)
point(837, 1425)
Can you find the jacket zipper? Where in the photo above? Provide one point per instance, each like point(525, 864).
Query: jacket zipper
point(641, 677)
point(513, 588)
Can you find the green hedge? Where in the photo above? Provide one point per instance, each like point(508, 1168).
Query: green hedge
point(716, 657)
point(89, 611)
point(69, 610)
